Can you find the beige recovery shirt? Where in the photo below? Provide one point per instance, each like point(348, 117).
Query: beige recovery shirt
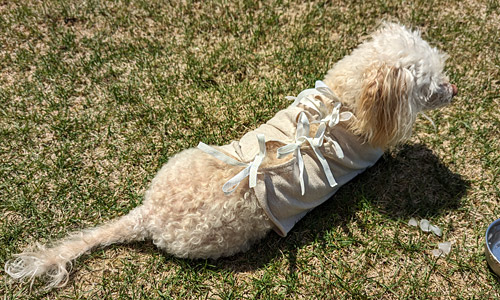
point(320, 164)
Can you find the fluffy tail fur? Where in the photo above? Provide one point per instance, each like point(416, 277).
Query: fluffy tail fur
point(55, 262)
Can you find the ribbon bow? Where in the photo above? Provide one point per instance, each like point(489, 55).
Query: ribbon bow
point(306, 98)
point(332, 118)
point(301, 137)
point(335, 116)
point(250, 169)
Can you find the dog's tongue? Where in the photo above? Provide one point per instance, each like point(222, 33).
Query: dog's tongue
point(455, 89)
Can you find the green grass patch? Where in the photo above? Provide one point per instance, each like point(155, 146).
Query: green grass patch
point(96, 95)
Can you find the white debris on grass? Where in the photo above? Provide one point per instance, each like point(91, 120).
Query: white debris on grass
point(443, 249)
point(436, 230)
point(425, 226)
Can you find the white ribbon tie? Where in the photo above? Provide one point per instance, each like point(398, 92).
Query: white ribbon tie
point(302, 136)
point(326, 120)
point(250, 169)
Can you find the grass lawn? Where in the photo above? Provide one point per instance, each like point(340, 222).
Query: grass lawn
point(96, 95)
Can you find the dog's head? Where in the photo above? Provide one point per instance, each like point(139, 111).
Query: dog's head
point(387, 80)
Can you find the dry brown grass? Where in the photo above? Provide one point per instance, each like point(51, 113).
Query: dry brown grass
point(95, 96)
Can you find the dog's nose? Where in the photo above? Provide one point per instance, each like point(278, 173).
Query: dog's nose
point(454, 89)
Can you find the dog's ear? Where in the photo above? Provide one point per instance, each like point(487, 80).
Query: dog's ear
point(383, 110)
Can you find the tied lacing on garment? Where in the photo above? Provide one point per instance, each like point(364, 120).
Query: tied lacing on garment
point(331, 120)
point(326, 120)
point(250, 169)
point(302, 136)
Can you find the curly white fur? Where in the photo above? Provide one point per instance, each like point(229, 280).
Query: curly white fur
point(388, 80)
point(385, 82)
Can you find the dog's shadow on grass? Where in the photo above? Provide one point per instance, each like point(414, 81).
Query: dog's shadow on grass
point(410, 182)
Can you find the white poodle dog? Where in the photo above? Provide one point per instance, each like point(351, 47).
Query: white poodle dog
point(216, 201)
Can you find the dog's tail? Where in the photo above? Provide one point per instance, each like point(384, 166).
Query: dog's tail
point(55, 262)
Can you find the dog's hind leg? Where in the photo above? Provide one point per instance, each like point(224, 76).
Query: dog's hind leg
point(55, 262)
